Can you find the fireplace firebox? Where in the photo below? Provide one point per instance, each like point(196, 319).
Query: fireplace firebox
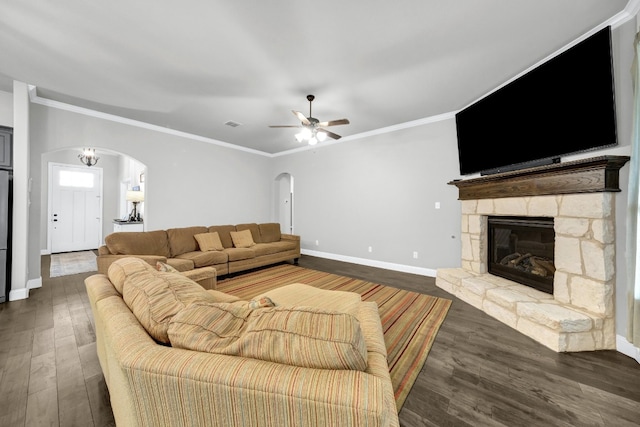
point(521, 249)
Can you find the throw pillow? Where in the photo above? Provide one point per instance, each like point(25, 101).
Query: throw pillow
point(296, 336)
point(209, 241)
point(165, 268)
point(242, 239)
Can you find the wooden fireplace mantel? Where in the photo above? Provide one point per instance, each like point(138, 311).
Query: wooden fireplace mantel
point(597, 174)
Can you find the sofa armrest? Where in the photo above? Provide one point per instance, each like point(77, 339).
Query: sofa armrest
point(290, 237)
point(205, 276)
point(104, 261)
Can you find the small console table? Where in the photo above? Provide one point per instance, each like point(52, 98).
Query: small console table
point(119, 225)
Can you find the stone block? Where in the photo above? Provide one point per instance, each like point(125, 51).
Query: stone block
point(485, 207)
point(555, 317)
point(592, 295)
point(591, 205)
point(445, 285)
point(507, 298)
point(598, 260)
point(583, 341)
point(468, 206)
point(543, 206)
point(453, 275)
point(506, 316)
point(511, 206)
point(469, 297)
point(603, 230)
point(561, 288)
point(542, 334)
point(464, 224)
point(465, 247)
point(477, 224)
point(567, 255)
point(572, 227)
point(477, 285)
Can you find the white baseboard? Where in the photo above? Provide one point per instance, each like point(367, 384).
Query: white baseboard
point(626, 348)
point(372, 263)
point(18, 294)
point(34, 283)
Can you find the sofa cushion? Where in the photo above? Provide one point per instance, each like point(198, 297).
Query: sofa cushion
point(209, 241)
point(242, 239)
point(181, 264)
point(204, 259)
point(224, 231)
point(238, 254)
point(121, 268)
point(181, 240)
point(270, 232)
point(267, 248)
point(139, 243)
point(154, 298)
point(254, 228)
point(297, 336)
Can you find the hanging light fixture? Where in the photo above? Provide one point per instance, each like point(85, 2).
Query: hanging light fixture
point(88, 156)
point(311, 135)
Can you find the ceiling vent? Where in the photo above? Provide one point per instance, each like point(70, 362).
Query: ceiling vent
point(232, 124)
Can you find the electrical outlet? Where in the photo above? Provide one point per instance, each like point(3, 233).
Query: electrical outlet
point(370, 249)
point(437, 205)
point(415, 255)
point(317, 243)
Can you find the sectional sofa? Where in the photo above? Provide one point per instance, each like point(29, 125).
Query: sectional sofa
point(175, 354)
point(227, 248)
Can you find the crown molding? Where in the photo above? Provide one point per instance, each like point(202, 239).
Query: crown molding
point(33, 96)
point(380, 131)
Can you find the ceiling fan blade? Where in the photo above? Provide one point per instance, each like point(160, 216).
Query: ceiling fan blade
point(301, 117)
point(334, 122)
point(284, 126)
point(330, 134)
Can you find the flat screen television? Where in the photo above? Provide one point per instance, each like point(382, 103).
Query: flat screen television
point(564, 106)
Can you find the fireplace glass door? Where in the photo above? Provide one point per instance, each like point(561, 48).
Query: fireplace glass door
point(521, 249)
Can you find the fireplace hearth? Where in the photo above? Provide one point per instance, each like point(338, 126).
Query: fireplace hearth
point(522, 249)
point(577, 247)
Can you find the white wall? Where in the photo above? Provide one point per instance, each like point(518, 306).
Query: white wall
point(187, 182)
point(380, 192)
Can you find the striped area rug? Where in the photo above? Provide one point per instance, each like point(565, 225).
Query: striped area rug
point(410, 320)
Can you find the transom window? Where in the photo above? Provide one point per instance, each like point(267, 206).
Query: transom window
point(76, 179)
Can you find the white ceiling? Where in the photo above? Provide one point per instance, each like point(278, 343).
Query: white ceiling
point(193, 65)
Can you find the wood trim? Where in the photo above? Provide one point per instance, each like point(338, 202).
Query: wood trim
point(597, 174)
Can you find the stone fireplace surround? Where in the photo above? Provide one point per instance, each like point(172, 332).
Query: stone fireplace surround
point(580, 196)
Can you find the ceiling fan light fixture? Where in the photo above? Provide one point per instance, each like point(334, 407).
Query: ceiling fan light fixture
point(313, 141)
point(299, 137)
point(321, 136)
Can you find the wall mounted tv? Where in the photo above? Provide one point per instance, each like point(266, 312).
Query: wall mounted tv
point(564, 106)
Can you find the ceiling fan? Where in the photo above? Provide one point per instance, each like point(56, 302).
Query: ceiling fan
point(312, 128)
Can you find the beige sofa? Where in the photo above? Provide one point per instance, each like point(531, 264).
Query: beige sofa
point(179, 247)
point(169, 358)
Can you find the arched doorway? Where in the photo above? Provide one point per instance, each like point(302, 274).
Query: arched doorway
point(283, 202)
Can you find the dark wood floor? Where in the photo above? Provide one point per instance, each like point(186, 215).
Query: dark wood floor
point(479, 372)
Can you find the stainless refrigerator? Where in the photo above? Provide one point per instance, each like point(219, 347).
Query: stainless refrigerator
point(6, 196)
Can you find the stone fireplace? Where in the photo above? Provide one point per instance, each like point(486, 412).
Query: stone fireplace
point(580, 197)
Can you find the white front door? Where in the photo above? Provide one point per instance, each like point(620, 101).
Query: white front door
point(75, 207)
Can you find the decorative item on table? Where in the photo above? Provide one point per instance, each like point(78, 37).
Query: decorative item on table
point(135, 197)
